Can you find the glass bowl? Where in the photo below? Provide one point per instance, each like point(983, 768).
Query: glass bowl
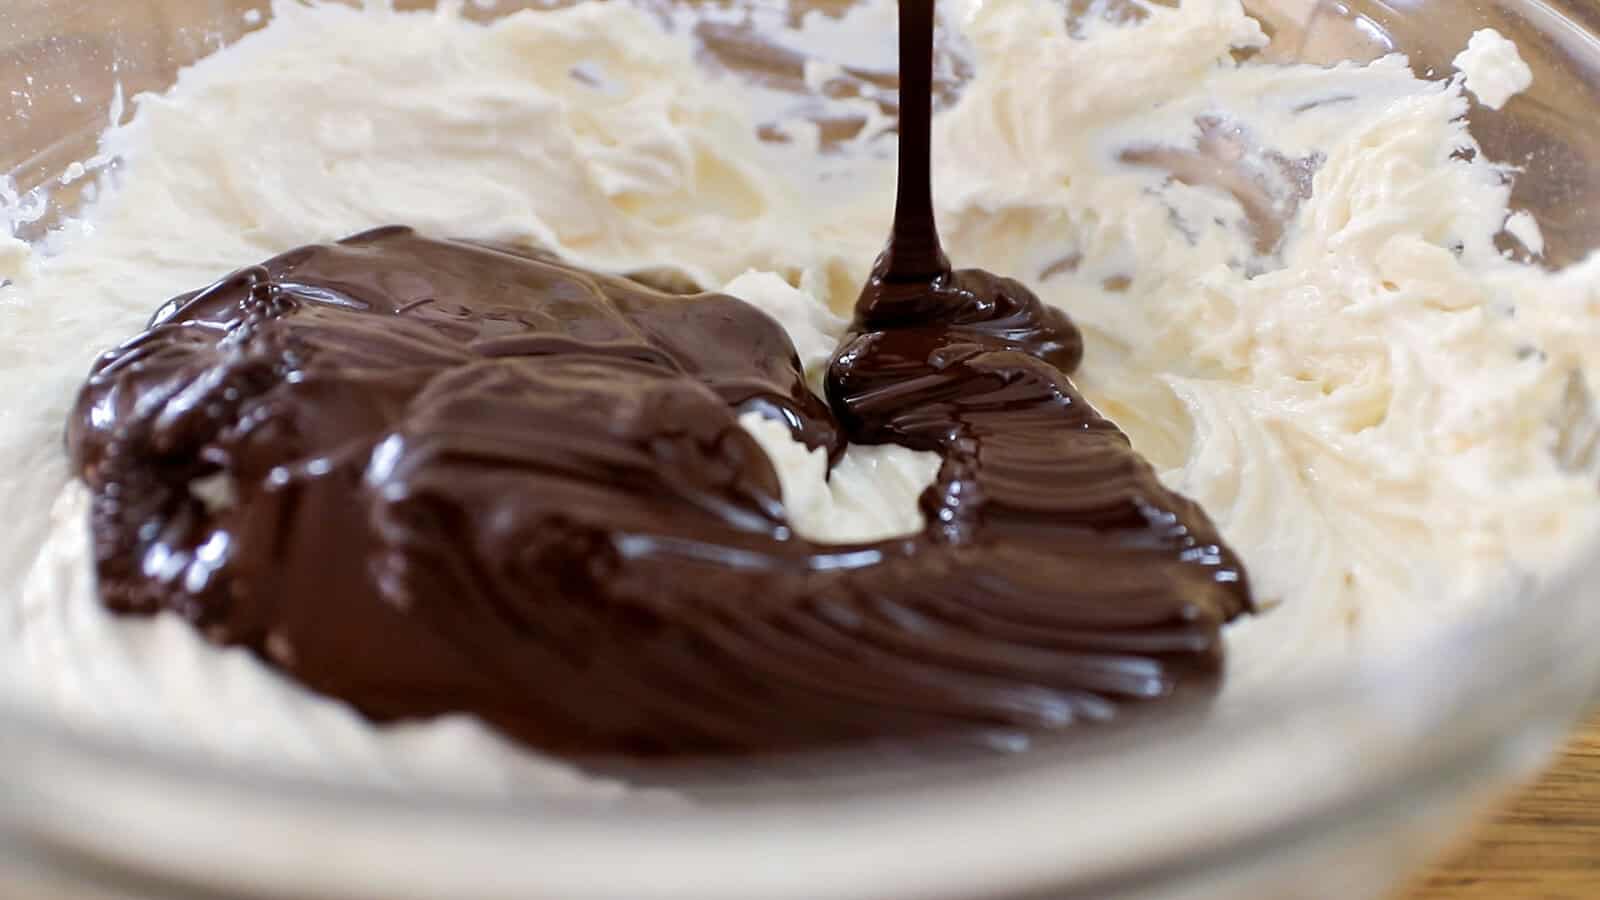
point(1336, 785)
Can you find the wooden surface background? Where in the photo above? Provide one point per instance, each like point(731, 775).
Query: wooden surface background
point(1544, 845)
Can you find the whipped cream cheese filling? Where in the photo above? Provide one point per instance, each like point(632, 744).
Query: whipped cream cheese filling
point(1493, 69)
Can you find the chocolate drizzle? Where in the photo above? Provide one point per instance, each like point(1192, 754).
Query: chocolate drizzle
point(432, 476)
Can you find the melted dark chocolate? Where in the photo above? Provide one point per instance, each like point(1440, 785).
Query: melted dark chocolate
point(433, 476)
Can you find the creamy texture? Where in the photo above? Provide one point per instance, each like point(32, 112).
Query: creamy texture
point(1367, 400)
point(1493, 69)
point(1525, 228)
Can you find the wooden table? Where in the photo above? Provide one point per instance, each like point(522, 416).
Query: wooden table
point(1545, 845)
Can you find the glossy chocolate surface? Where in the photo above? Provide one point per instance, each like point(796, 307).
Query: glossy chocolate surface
point(429, 476)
